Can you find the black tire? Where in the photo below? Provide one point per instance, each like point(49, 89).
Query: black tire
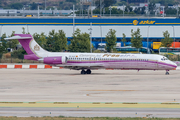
point(88, 71)
point(83, 72)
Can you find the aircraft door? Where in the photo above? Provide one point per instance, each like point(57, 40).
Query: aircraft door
point(157, 66)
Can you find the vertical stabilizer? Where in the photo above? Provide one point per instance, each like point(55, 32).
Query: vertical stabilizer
point(32, 48)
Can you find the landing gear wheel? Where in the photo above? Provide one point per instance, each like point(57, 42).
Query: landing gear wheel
point(88, 71)
point(167, 73)
point(83, 72)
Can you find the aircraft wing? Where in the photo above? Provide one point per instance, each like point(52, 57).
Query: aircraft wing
point(79, 66)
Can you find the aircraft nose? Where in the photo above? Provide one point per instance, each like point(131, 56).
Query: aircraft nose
point(175, 65)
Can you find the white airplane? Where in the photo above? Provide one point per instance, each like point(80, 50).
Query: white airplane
point(89, 61)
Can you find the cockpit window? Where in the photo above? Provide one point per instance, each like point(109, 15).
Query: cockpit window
point(164, 58)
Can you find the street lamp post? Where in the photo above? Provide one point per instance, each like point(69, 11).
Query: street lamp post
point(73, 19)
point(174, 35)
point(123, 10)
point(103, 11)
point(82, 7)
point(100, 8)
point(163, 11)
point(110, 10)
point(38, 10)
point(177, 11)
point(148, 39)
point(45, 7)
point(101, 35)
point(148, 8)
point(90, 29)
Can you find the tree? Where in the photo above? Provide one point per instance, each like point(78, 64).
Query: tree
point(136, 39)
point(56, 42)
point(74, 1)
point(124, 39)
point(40, 39)
point(140, 10)
point(23, 32)
point(12, 43)
point(80, 42)
point(2, 49)
point(111, 40)
point(108, 3)
point(121, 3)
point(96, 11)
point(61, 42)
point(167, 41)
point(105, 3)
point(50, 42)
point(18, 53)
point(128, 9)
point(17, 6)
point(152, 7)
point(34, 6)
point(165, 2)
point(3, 44)
point(170, 11)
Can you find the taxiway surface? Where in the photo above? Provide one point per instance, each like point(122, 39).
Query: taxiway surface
point(91, 112)
point(61, 85)
point(100, 86)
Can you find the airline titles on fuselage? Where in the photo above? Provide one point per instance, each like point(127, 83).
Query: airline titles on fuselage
point(100, 55)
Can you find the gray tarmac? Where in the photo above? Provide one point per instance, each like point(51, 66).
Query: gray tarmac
point(91, 112)
point(101, 86)
point(53, 85)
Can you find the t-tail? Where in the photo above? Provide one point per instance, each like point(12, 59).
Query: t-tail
point(34, 51)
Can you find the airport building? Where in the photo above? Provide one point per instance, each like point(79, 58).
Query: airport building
point(151, 29)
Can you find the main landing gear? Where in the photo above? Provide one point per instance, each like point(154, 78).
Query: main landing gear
point(86, 72)
point(167, 73)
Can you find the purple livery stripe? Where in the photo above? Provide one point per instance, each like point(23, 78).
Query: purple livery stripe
point(125, 61)
point(26, 45)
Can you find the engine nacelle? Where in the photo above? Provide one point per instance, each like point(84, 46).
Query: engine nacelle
point(55, 60)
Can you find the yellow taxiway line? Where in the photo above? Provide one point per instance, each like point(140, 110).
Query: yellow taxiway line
point(89, 105)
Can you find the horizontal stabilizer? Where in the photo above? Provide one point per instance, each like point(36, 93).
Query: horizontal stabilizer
point(17, 37)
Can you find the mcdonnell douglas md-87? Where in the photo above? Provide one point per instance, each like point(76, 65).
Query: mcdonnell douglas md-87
point(89, 61)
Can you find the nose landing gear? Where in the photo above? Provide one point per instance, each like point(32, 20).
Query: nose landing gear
point(86, 72)
point(167, 72)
